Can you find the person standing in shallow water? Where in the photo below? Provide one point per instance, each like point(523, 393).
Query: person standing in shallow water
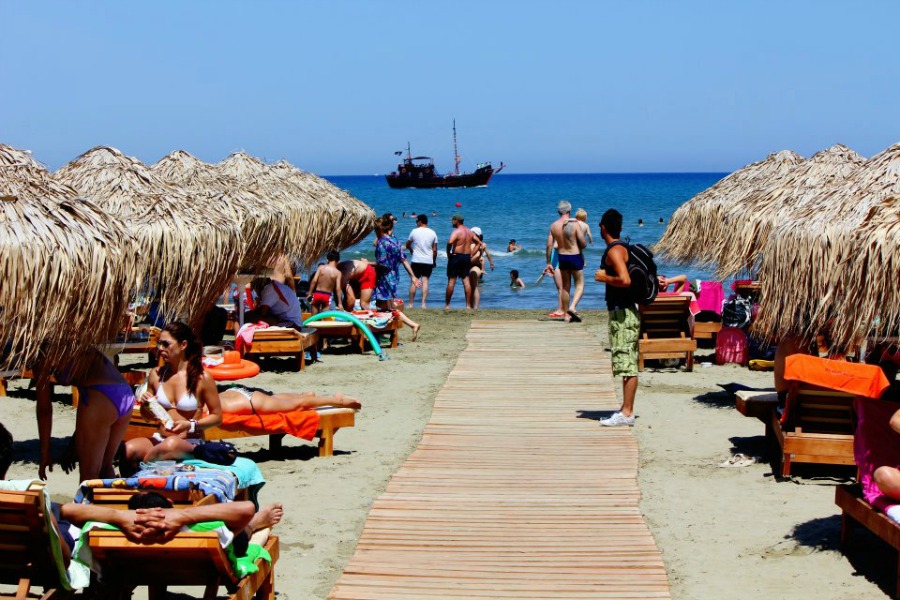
point(624, 319)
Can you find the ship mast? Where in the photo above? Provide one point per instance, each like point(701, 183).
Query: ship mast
point(456, 158)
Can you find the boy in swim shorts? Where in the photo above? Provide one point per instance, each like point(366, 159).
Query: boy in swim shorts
point(325, 283)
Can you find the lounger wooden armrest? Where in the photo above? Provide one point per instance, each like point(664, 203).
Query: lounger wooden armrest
point(753, 403)
point(284, 341)
point(855, 510)
point(191, 559)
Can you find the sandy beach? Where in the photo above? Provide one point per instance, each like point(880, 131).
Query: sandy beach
point(723, 532)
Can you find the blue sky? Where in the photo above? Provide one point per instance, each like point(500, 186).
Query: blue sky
point(336, 86)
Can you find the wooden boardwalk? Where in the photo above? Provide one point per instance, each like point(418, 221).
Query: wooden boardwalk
point(510, 494)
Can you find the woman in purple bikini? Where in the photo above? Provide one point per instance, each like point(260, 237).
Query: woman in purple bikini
point(104, 410)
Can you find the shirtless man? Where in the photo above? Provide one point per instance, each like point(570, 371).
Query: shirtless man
point(326, 282)
point(459, 259)
point(357, 279)
point(569, 237)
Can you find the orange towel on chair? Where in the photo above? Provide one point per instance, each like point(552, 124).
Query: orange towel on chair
point(853, 378)
point(298, 423)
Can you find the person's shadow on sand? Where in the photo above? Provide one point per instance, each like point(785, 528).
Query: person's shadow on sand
point(285, 453)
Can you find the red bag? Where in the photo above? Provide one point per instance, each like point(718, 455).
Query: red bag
point(732, 346)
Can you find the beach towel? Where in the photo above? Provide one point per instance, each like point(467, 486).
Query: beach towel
point(694, 306)
point(853, 378)
point(712, 296)
point(244, 336)
point(217, 482)
point(875, 445)
point(298, 423)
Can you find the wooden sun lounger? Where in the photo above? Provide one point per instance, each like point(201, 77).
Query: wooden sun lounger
point(118, 497)
point(190, 559)
point(855, 510)
point(822, 428)
point(330, 420)
point(666, 331)
point(284, 341)
point(25, 558)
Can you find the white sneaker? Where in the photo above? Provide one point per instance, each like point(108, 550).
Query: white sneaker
point(617, 419)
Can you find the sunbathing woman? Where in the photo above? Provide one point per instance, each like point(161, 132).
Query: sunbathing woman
point(241, 400)
point(102, 417)
point(187, 393)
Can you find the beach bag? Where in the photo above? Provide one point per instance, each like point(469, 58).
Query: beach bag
point(218, 453)
point(736, 312)
point(732, 346)
point(642, 271)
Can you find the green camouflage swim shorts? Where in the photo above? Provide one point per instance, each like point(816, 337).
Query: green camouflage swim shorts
point(624, 328)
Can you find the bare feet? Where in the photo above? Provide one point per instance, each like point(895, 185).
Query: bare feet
point(416, 329)
point(347, 402)
point(268, 516)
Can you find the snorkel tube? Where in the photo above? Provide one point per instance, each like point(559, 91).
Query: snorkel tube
point(342, 316)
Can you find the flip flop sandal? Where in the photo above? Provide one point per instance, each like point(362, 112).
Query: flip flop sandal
point(574, 316)
point(556, 315)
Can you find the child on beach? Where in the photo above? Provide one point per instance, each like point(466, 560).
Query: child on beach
point(325, 283)
point(581, 215)
point(514, 280)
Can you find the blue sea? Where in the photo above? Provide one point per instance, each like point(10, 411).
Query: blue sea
point(522, 207)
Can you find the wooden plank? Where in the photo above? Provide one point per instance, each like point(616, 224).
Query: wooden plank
point(505, 496)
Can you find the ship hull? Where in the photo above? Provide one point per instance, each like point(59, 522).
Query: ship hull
point(479, 178)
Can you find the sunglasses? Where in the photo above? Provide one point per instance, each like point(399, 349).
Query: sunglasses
point(163, 343)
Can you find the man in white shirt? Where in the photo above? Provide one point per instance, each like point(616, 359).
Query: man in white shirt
point(278, 305)
point(423, 244)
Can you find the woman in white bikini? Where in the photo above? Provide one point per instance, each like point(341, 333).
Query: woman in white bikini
point(185, 391)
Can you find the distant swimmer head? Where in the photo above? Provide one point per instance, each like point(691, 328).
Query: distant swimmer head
point(661, 220)
point(640, 222)
point(564, 207)
point(581, 215)
point(512, 241)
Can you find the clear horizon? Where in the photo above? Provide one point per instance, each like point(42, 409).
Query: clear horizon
point(336, 88)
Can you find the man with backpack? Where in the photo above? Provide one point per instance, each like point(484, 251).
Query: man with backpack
point(624, 318)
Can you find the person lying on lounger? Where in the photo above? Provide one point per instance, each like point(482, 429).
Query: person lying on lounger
point(185, 391)
point(151, 519)
point(240, 400)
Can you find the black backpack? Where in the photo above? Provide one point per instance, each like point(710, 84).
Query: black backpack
point(737, 312)
point(642, 271)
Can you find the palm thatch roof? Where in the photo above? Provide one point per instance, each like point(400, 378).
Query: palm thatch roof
point(700, 223)
point(67, 268)
point(320, 215)
point(190, 248)
point(265, 231)
point(813, 277)
point(353, 215)
point(870, 298)
point(751, 219)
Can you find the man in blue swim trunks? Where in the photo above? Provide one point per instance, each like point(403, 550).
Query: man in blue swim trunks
point(459, 259)
point(570, 241)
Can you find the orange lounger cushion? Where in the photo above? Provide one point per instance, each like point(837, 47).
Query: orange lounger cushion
point(853, 378)
point(298, 423)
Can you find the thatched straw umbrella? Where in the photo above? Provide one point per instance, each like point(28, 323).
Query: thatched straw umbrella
point(265, 231)
point(354, 217)
point(810, 266)
point(701, 222)
point(320, 216)
point(759, 211)
point(67, 268)
point(870, 298)
point(190, 249)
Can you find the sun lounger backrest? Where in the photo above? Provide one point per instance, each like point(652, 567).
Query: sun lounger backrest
point(816, 409)
point(666, 317)
point(24, 547)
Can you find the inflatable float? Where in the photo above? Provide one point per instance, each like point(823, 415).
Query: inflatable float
point(233, 367)
point(342, 316)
